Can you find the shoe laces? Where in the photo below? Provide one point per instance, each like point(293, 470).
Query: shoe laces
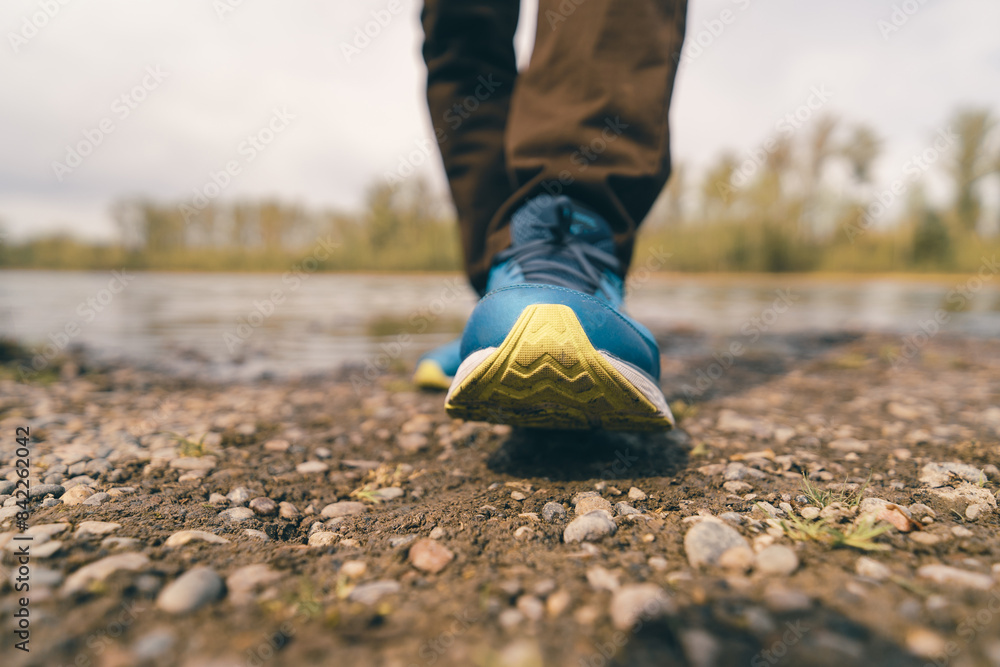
point(560, 257)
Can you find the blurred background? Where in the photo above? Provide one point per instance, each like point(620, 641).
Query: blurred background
point(237, 185)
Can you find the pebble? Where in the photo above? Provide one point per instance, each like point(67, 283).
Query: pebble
point(373, 591)
point(635, 493)
point(192, 590)
point(809, 513)
point(401, 540)
point(311, 467)
point(354, 568)
point(7, 487)
point(344, 508)
point(779, 599)
point(707, 540)
point(872, 569)
point(438, 533)
point(239, 496)
point(973, 511)
point(412, 442)
point(777, 559)
point(601, 579)
point(961, 531)
point(737, 559)
point(277, 445)
point(531, 607)
point(100, 570)
point(255, 534)
point(86, 528)
point(517, 495)
point(288, 511)
point(524, 533)
point(589, 503)
point(388, 493)
point(849, 445)
point(264, 506)
point(323, 538)
point(430, 556)
point(98, 498)
point(624, 509)
point(217, 499)
point(182, 537)
point(553, 511)
point(925, 643)
point(946, 575)
point(42, 490)
point(942, 474)
point(77, 495)
point(193, 463)
point(236, 514)
point(120, 543)
point(927, 539)
point(245, 581)
point(700, 647)
point(153, 645)
point(635, 602)
point(657, 563)
point(509, 619)
point(590, 527)
point(735, 486)
point(557, 603)
point(50, 502)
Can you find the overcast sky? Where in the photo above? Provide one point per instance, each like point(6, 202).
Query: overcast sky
point(198, 81)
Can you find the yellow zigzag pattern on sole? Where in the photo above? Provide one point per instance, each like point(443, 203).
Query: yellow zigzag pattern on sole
point(547, 374)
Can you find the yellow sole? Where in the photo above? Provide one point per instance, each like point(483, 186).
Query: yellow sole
point(430, 376)
point(547, 374)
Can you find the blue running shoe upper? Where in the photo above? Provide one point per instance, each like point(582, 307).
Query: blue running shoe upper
point(561, 252)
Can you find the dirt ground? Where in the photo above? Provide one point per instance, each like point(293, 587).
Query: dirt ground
point(451, 556)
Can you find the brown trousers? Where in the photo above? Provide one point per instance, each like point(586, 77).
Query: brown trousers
point(587, 117)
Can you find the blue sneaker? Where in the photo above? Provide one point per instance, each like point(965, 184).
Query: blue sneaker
point(548, 346)
point(436, 369)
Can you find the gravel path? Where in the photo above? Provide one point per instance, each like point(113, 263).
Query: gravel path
point(819, 505)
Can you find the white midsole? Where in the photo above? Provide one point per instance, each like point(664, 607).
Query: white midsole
point(636, 378)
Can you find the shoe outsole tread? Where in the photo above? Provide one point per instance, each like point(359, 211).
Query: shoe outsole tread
point(547, 374)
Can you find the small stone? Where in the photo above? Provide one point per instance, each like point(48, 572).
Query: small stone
point(323, 538)
point(77, 495)
point(98, 498)
point(438, 533)
point(925, 643)
point(311, 468)
point(737, 559)
point(372, 592)
point(624, 509)
point(872, 569)
point(553, 511)
point(635, 602)
point(944, 474)
point(657, 563)
point(590, 527)
point(412, 442)
point(237, 514)
point(182, 537)
point(288, 510)
point(100, 570)
point(780, 599)
point(47, 530)
point(344, 508)
point(777, 560)
point(927, 539)
point(635, 493)
point(153, 645)
point(707, 540)
point(557, 603)
point(524, 533)
point(735, 486)
point(809, 513)
point(429, 555)
point(850, 445)
point(531, 607)
point(961, 531)
point(588, 504)
point(217, 499)
point(242, 583)
point(388, 493)
point(946, 575)
point(354, 569)
point(264, 506)
point(509, 619)
point(255, 534)
point(973, 511)
point(700, 647)
point(904, 412)
point(239, 496)
point(192, 590)
point(601, 579)
point(42, 490)
point(401, 540)
point(277, 445)
point(120, 543)
point(86, 528)
point(193, 463)
point(517, 495)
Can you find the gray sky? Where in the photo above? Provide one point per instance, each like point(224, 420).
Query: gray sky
point(337, 125)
